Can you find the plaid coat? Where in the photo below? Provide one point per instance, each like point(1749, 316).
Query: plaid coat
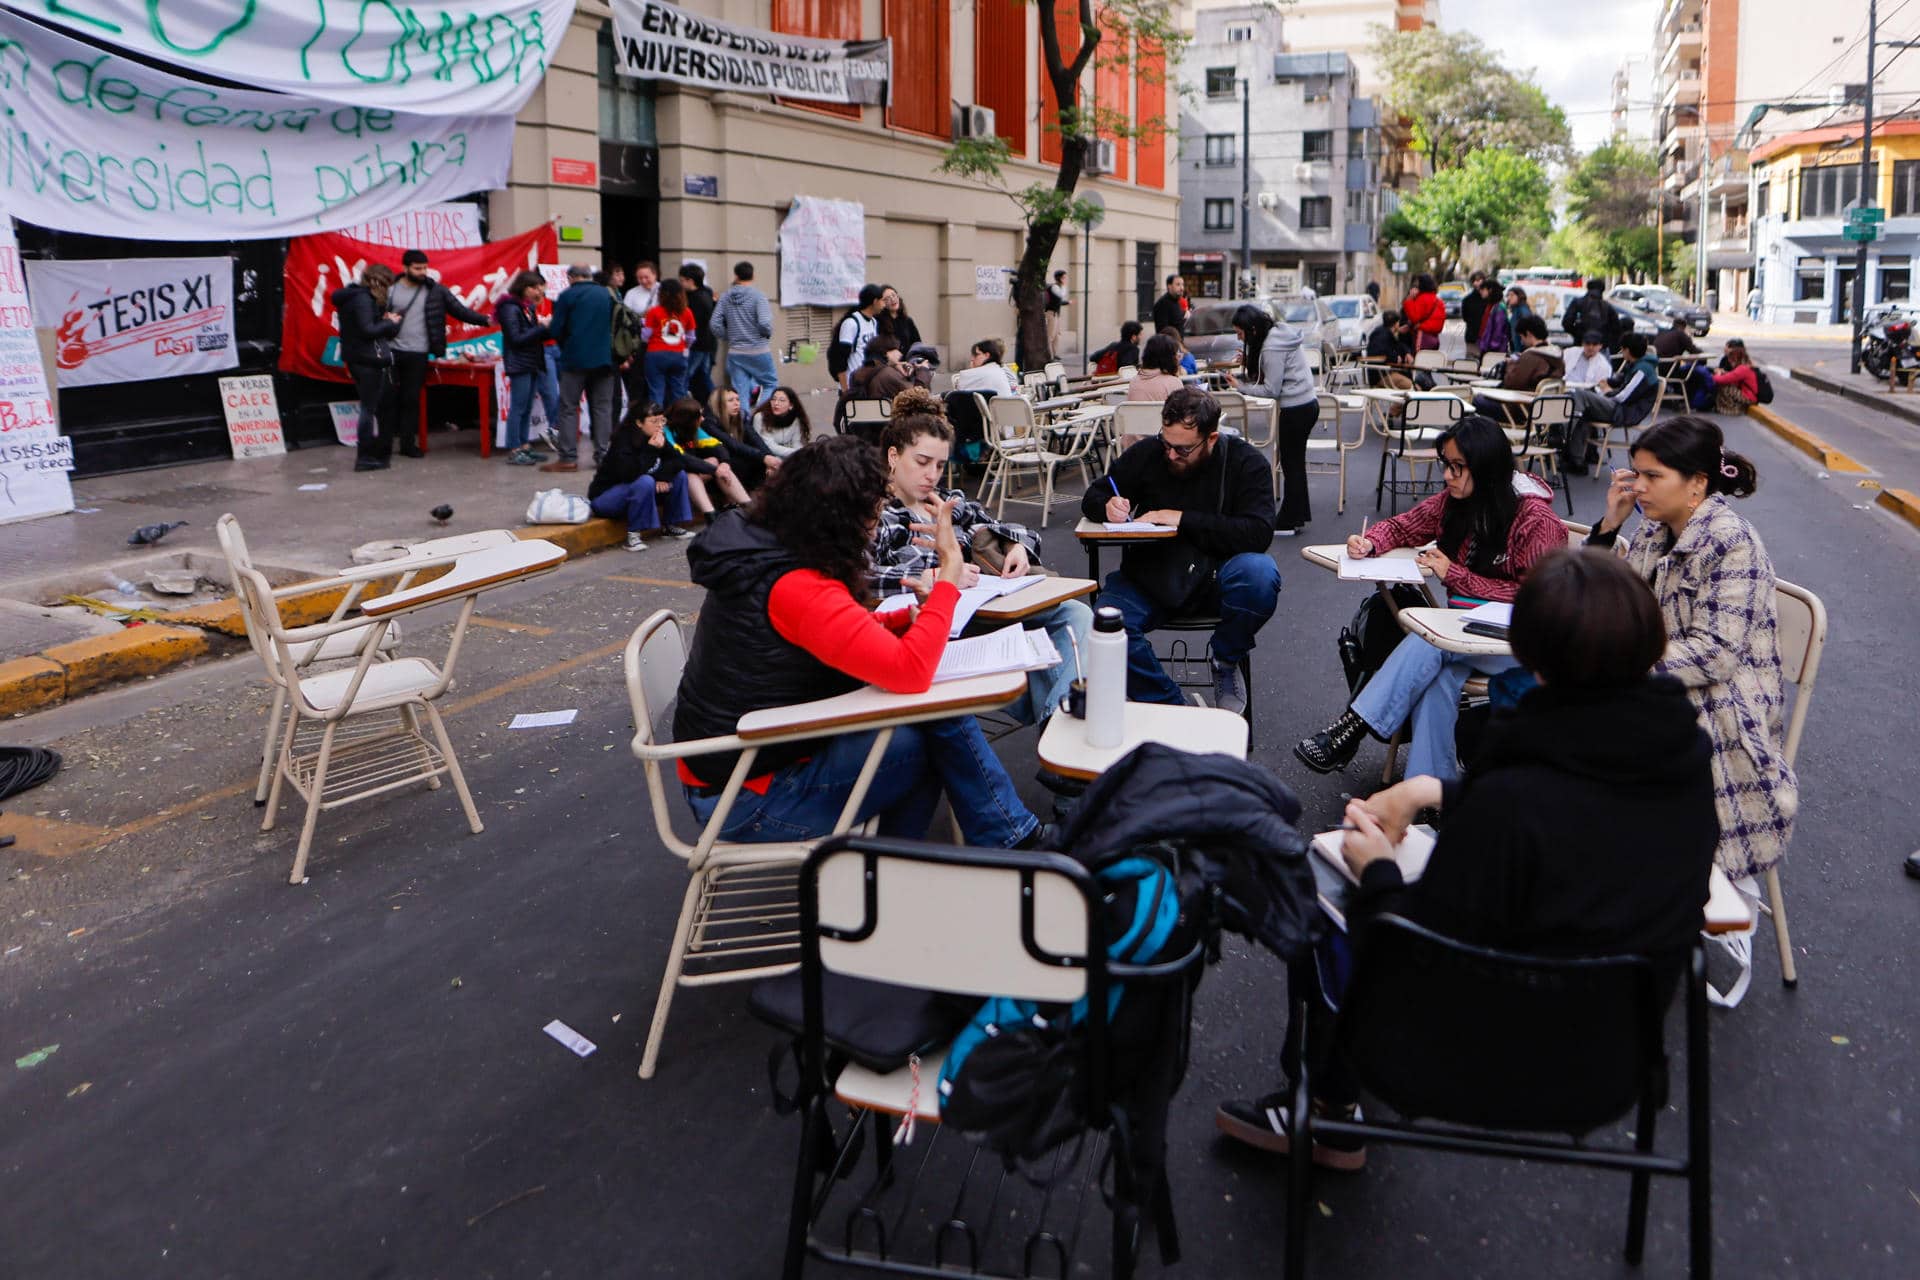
point(897, 557)
point(1715, 586)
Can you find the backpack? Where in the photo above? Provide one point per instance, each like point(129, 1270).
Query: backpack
point(840, 354)
point(1107, 363)
point(627, 339)
point(1370, 639)
point(1765, 385)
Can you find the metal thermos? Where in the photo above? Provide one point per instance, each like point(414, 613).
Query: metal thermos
point(1106, 679)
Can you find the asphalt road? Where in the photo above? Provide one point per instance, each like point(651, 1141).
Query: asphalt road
point(349, 1078)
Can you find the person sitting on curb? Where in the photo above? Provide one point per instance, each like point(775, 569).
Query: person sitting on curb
point(1217, 492)
point(706, 459)
point(643, 472)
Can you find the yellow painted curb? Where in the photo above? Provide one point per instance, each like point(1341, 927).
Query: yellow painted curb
point(1805, 441)
point(27, 684)
point(578, 539)
point(1903, 503)
point(125, 655)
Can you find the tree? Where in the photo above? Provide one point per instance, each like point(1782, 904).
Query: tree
point(1460, 99)
point(1143, 35)
point(1488, 195)
point(1609, 196)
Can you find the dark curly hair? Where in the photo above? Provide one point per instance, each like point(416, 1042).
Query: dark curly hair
point(821, 505)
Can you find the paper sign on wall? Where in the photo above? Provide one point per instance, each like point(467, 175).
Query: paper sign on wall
point(34, 458)
point(823, 253)
point(253, 416)
point(990, 283)
point(131, 319)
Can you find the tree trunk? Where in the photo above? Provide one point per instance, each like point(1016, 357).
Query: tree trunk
point(1030, 279)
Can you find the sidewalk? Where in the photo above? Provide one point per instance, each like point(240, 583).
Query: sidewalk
point(1735, 324)
point(1833, 377)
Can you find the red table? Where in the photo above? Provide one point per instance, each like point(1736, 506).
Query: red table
point(477, 374)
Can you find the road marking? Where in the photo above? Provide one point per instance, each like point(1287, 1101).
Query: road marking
point(50, 837)
point(502, 624)
point(646, 582)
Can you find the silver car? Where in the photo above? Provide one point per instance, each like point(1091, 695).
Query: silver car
point(1211, 338)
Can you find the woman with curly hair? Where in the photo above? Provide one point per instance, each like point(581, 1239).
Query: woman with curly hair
point(785, 621)
point(782, 421)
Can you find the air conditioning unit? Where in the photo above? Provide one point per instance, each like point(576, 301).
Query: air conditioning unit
point(1302, 172)
point(1269, 200)
point(972, 122)
point(1102, 156)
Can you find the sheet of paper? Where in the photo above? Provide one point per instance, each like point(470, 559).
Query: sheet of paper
point(567, 1036)
point(311, 488)
point(1008, 649)
point(1379, 569)
point(1412, 853)
point(893, 604)
point(1499, 612)
point(971, 600)
point(1133, 526)
point(543, 719)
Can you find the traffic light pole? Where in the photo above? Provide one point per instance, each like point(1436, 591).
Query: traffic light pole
point(1866, 178)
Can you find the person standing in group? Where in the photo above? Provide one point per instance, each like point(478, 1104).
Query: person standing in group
point(582, 326)
point(1159, 375)
point(523, 352)
point(367, 326)
point(693, 278)
point(782, 422)
point(1275, 365)
point(743, 319)
point(1373, 291)
point(1592, 313)
point(893, 320)
point(1496, 328)
point(1716, 585)
point(1059, 297)
point(1517, 310)
point(422, 304)
point(856, 329)
point(1473, 312)
point(669, 326)
point(643, 474)
point(616, 277)
point(1170, 311)
point(645, 293)
point(1425, 312)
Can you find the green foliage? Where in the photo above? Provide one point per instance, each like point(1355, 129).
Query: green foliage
point(1611, 189)
point(1460, 99)
point(1488, 195)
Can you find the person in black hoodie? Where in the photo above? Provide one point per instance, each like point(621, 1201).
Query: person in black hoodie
point(1585, 826)
point(367, 328)
point(643, 472)
point(693, 277)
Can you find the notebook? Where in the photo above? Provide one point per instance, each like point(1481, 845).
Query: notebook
point(971, 599)
point(1008, 649)
point(1379, 569)
point(1334, 880)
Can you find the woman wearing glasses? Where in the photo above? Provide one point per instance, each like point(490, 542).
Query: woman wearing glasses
point(1489, 526)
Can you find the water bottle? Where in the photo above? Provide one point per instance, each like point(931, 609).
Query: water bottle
point(1106, 679)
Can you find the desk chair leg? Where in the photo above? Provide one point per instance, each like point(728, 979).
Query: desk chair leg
point(1777, 903)
point(319, 785)
point(1637, 1198)
point(267, 753)
point(1699, 1123)
point(676, 960)
point(1393, 754)
point(411, 720)
point(453, 770)
point(282, 762)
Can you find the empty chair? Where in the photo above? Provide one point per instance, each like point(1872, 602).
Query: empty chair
point(1329, 445)
point(1429, 358)
point(1548, 419)
point(1410, 441)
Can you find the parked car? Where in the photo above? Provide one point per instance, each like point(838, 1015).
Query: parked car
point(1211, 339)
point(1662, 304)
point(1451, 293)
point(1549, 301)
point(1358, 315)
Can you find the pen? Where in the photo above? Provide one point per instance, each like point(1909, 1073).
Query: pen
point(1111, 485)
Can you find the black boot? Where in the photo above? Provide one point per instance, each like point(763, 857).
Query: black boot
point(1334, 746)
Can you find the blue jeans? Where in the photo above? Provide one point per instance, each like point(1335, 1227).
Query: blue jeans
point(753, 376)
point(521, 389)
point(666, 376)
point(804, 800)
point(638, 503)
point(700, 375)
point(1245, 593)
point(1046, 688)
point(1423, 682)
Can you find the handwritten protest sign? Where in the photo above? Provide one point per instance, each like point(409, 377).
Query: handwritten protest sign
point(253, 416)
point(129, 319)
point(90, 139)
point(654, 40)
point(440, 226)
point(34, 459)
point(434, 59)
point(823, 253)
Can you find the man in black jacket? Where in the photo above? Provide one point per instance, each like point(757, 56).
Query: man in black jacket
point(1473, 310)
point(422, 304)
point(1592, 313)
point(1170, 312)
point(700, 356)
point(1217, 491)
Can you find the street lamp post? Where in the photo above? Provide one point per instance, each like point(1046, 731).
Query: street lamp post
point(1866, 179)
point(1246, 186)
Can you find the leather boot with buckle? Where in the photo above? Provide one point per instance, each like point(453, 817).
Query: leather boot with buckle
point(1334, 746)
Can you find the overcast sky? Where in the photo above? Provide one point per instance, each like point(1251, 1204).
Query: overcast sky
point(1572, 48)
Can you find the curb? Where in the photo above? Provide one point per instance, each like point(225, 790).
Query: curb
point(1902, 503)
point(1806, 442)
point(134, 653)
point(1872, 399)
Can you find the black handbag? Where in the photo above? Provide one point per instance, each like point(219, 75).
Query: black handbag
point(1370, 639)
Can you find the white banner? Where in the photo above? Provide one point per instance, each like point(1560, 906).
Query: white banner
point(446, 59)
point(440, 226)
point(653, 40)
point(34, 459)
point(823, 253)
point(253, 416)
point(90, 141)
point(131, 319)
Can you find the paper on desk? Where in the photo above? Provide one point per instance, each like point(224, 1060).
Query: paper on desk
point(1379, 569)
point(1008, 649)
point(1499, 612)
point(971, 599)
point(1411, 853)
point(543, 719)
point(1134, 526)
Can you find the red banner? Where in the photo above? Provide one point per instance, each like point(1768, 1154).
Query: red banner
point(319, 264)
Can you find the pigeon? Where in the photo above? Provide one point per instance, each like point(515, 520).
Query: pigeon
point(441, 514)
point(147, 534)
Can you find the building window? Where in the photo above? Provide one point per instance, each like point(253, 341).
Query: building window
point(1317, 145)
point(1219, 215)
point(1811, 279)
point(1906, 189)
point(1896, 279)
point(1220, 149)
point(1357, 206)
point(1220, 82)
point(626, 108)
point(1356, 144)
point(922, 66)
point(1762, 197)
point(1000, 67)
point(1316, 211)
point(825, 20)
point(1825, 192)
point(1240, 33)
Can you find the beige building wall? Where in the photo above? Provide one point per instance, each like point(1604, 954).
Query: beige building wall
point(925, 232)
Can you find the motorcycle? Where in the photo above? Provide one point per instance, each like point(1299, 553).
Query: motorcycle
point(1887, 345)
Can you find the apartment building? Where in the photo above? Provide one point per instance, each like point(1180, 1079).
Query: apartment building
point(647, 169)
point(1630, 113)
point(1312, 156)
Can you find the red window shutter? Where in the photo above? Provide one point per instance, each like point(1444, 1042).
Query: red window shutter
point(1066, 17)
point(921, 66)
point(1110, 87)
point(826, 20)
point(1000, 67)
point(1150, 99)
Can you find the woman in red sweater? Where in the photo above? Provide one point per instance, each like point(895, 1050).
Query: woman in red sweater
point(1736, 385)
point(785, 621)
point(669, 328)
point(1488, 527)
point(1426, 312)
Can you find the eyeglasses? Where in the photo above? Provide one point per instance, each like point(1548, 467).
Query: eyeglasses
point(1179, 450)
point(1453, 468)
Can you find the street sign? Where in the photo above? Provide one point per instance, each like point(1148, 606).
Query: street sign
point(1399, 252)
point(1399, 265)
point(1868, 215)
point(1861, 232)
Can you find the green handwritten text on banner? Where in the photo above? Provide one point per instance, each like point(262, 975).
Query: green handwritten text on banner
point(91, 141)
point(446, 59)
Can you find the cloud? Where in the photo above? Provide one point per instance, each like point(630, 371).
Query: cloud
point(1572, 50)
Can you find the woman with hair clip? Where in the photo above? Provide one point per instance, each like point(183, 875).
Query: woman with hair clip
point(1489, 526)
point(1274, 364)
point(1715, 585)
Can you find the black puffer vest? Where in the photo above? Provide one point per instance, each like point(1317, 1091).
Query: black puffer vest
point(739, 663)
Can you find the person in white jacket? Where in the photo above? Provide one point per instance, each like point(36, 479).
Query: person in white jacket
point(1275, 362)
point(1590, 365)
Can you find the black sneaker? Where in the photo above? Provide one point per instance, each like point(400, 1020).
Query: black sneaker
point(676, 531)
point(1262, 1123)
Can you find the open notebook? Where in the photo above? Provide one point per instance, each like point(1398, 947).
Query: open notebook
point(1335, 880)
point(971, 599)
point(1008, 649)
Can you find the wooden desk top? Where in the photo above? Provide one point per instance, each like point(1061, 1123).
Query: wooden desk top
point(1094, 531)
point(873, 706)
point(475, 571)
point(1035, 598)
point(434, 551)
point(1445, 629)
point(1200, 730)
point(1327, 555)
